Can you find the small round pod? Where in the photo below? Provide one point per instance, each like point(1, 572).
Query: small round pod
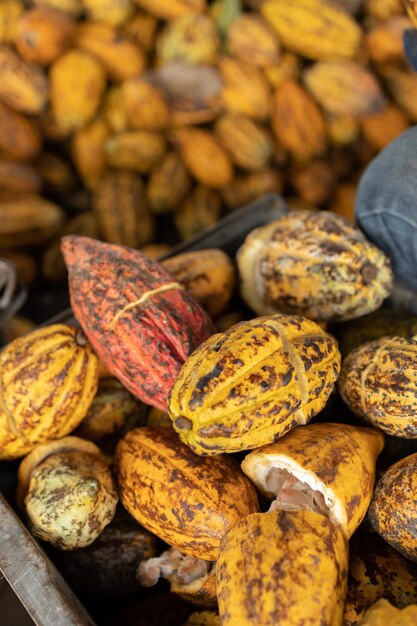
point(48, 380)
point(393, 512)
point(383, 613)
point(326, 468)
point(204, 618)
point(192, 579)
point(378, 382)
point(313, 263)
point(188, 501)
point(208, 276)
point(283, 567)
point(252, 384)
point(68, 492)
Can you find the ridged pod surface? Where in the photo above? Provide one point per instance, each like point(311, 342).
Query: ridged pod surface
point(186, 500)
point(28, 220)
point(140, 322)
point(378, 382)
point(245, 89)
point(23, 86)
point(250, 145)
point(285, 567)
point(252, 384)
point(48, 380)
point(313, 263)
point(204, 157)
point(252, 39)
point(168, 184)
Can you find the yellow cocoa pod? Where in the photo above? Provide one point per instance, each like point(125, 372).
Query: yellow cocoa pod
point(249, 145)
point(384, 42)
point(20, 138)
point(168, 184)
point(56, 173)
point(315, 29)
point(10, 12)
point(402, 87)
point(203, 618)
point(145, 105)
point(19, 178)
point(200, 210)
point(170, 9)
point(208, 275)
point(266, 366)
point(287, 67)
point(298, 122)
point(314, 183)
point(344, 88)
point(48, 379)
point(77, 85)
point(411, 8)
point(342, 130)
point(244, 189)
point(191, 38)
point(344, 201)
point(380, 129)
point(113, 12)
point(28, 220)
point(88, 151)
point(384, 9)
point(201, 592)
point(43, 35)
point(120, 208)
point(71, 7)
point(382, 613)
point(142, 30)
point(138, 150)
point(25, 264)
point(204, 157)
point(120, 57)
point(251, 38)
point(245, 89)
point(115, 110)
point(53, 266)
point(274, 552)
point(15, 327)
point(23, 86)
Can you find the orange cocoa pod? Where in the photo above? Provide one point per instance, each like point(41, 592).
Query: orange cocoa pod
point(315, 183)
point(20, 138)
point(401, 83)
point(380, 129)
point(287, 67)
point(10, 12)
point(113, 12)
point(384, 42)
point(249, 145)
point(145, 105)
point(344, 201)
point(170, 9)
point(140, 322)
point(168, 184)
point(155, 250)
point(245, 89)
point(115, 111)
point(142, 30)
point(28, 220)
point(23, 86)
point(43, 35)
point(138, 150)
point(19, 178)
point(200, 209)
point(88, 152)
point(70, 7)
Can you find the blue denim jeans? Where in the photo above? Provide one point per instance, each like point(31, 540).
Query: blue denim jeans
point(386, 204)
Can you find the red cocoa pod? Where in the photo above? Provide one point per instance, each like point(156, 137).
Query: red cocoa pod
point(141, 323)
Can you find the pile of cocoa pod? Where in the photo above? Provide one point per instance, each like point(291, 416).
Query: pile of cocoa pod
point(126, 119)
point(174, 436)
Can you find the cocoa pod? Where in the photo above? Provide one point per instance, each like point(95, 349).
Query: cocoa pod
point(200, 209)
point(120, 57)
point(244, 189)
point(315, 183)
point(10, 12)
point(115, 111)
point(88, 152)
point(168, 185)
point(23, 86)
point(109, 11)
point(191, 38)
point(204, 157)
point(25, 264)
point(384, 9)
point(402, 87)
point(252, 39)
point(381, 128)
point(342, 130)
point(71, 7)
point(204, 618)
point(170, 9)
point(138, 150)
point(245, 89)
point(288, 67)
point(249, 145)
point(43, 35)
point(121, 211)
point(56, 173)
point(297, 122)
point(131, 310)
point(384, 42)
point(20, 139)
point(142, 30)
point(19, 178)
point(28, 220)
point(77, 84)
point(145, 105)
point(410, 5)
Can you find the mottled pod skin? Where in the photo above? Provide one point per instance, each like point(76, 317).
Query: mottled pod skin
point(204, 618)
point(286, 568)
point(382, 613)
point(48, 380)
point(188, 501)
point(250, 385)
point(313, 263)
point(337, 460)
point(378, 382)
point(393, 512)
point(377, 571)
point(141, 323)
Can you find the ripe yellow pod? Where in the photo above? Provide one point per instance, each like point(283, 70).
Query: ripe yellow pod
point(200, 209)
point(249, 145)
point(170, 9)
point(191, 38)
point(28, 220)
point(204, 618)
point(287, 67)
point(138, 150)
point(251, 38)
point(204, 157)
point(145, 105)
point(305, 470)
point(384, 9)
point(315, 29)
point(113, 12)
point(88, 151)
point(43, 35)
point(120, 57)
point(252, 384)
point(142, 30)
point(384, 41)
point(77, 84)
point(19, 178)
point(49, 379)
point(298, 122)
point(286, 568)
point(193, 501)
point(23, 86)
point(168, 185)
point(71, 7)
point(245, 89)
point(383, 127)
point(245, 188)
point(115, 111)
point(10, 12)
point(342, 130)
point(382, 613)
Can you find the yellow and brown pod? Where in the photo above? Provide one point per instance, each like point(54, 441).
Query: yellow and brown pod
point(67, 490)
point(188, 501)
point(204, 618)
point(208, 275)
point(327, 468)
point(382, 613)
point(393, 511)
point(248, 386)
point(283, 567)
point(48, 381)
